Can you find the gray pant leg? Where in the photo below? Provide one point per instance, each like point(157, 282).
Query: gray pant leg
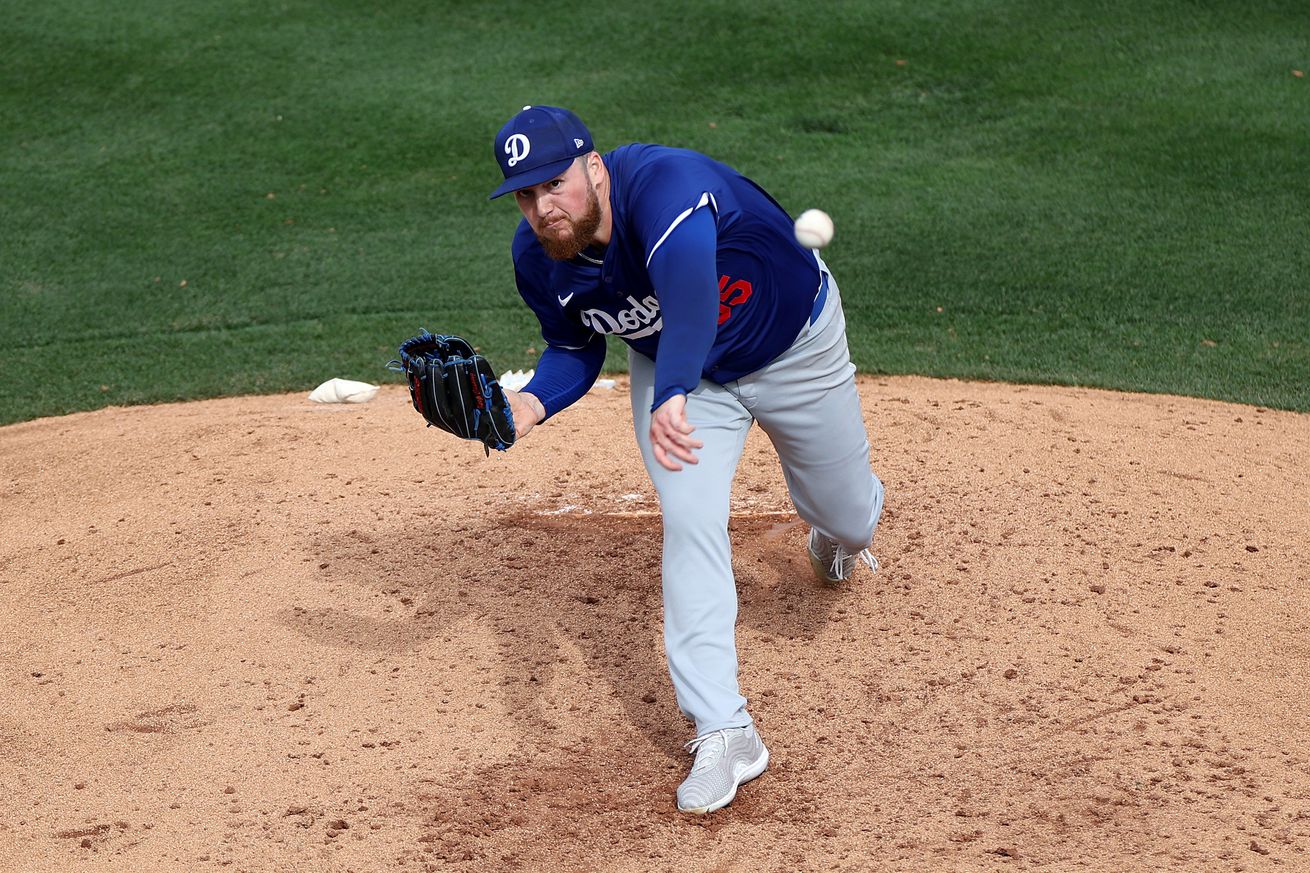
point(806, 401)
point(700, 593)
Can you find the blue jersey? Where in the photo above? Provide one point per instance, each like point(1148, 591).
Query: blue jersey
point(760, 296)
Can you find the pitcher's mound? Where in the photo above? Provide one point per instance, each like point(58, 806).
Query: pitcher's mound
point(260, 634)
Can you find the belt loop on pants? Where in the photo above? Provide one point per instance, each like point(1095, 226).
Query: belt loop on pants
point(820, 298)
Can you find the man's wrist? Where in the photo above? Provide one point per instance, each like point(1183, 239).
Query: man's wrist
point(537, 407)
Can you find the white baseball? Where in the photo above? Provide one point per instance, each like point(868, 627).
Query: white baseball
point(814, 229)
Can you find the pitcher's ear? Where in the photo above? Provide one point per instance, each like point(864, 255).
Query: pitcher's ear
point(595, 167)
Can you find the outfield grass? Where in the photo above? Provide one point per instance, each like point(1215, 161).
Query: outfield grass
point(215, 198)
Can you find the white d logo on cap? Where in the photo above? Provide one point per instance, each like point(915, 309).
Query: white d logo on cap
point(517, 147)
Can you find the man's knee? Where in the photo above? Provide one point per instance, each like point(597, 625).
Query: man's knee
point(691, 513)
point(855, 529)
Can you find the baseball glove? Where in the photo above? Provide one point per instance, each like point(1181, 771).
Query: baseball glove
point(454, 388)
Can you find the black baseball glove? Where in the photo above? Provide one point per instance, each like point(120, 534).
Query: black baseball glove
point(455, 389)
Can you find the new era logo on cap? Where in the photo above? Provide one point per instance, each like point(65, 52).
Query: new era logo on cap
point(538, 144)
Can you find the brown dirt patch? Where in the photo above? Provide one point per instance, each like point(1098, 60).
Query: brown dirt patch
point(259, 634)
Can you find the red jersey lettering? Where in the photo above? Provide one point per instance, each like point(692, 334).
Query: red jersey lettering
point(730, 295)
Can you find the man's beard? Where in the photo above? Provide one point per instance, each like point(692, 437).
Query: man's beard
point(582, 231)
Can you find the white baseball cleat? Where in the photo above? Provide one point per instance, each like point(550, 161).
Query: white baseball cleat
point(725, 759)
point(832, 562)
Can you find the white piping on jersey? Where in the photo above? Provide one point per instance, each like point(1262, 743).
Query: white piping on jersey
point(705, 198)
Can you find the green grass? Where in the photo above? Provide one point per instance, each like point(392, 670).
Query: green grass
point(216, 198)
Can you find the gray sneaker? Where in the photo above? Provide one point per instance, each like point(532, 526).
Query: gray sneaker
point(724, 760)
point(832, 562)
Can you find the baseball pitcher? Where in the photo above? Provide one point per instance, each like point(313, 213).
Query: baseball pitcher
point(729, 321)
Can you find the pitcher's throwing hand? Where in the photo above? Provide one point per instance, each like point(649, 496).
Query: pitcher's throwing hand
point(670, 434)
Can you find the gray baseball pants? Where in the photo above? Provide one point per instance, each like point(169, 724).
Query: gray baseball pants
point(807, 404)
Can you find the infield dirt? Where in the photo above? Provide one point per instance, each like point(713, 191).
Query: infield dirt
point(264, 635)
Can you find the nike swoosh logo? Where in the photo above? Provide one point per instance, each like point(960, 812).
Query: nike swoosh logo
point(564, 301)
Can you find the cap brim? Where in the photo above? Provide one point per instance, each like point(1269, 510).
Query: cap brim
point(535, 176)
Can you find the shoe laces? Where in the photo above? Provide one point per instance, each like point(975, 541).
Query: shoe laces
point(843, 562)
point(708, 748)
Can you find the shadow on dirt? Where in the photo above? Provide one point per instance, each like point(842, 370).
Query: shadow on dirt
point(548, 584)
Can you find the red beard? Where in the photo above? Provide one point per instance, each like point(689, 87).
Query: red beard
point(566, 238)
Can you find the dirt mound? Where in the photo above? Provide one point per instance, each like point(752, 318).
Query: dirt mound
point(260, 634)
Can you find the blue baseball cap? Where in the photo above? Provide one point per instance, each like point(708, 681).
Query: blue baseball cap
point(538, 144)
